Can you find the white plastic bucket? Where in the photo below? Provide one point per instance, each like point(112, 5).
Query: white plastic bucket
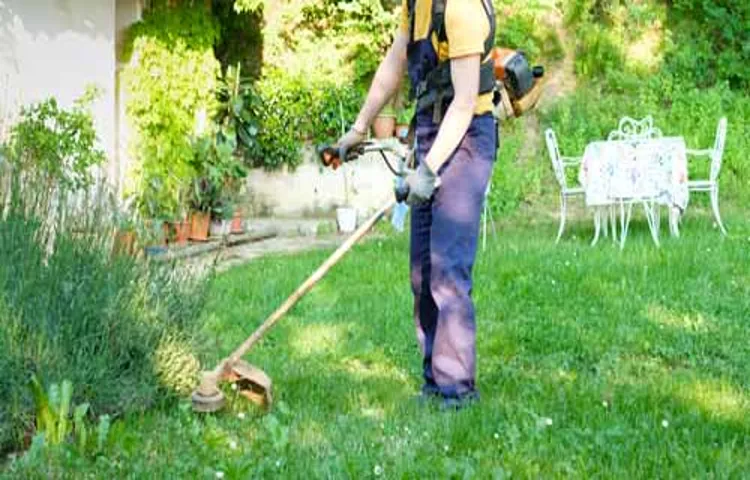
point(347, 219)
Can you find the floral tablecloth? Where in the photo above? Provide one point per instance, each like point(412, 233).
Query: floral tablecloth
point(632, 170)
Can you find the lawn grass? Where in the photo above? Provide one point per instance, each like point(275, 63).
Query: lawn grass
point(593, 363)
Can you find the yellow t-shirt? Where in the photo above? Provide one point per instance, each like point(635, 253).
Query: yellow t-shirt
point(466, 26)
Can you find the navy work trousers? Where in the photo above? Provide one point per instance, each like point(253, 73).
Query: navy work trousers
point(444, 235)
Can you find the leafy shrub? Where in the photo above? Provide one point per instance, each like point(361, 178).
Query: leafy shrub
point(711, 41)
point(521, 25)
point(56, 145)
point(77, 312)
point(171, 77)
point(291, 110)
point(515, 177)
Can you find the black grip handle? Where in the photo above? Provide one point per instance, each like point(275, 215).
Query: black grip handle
point(330, 156)
point(402, 192)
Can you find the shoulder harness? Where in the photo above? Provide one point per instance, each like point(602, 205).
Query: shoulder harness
point(436, 90)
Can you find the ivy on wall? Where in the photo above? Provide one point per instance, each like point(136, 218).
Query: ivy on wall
point(170, 78)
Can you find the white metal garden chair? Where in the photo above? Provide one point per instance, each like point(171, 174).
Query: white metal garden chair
point(632, 129)
point(559, 164)
point(711, 186)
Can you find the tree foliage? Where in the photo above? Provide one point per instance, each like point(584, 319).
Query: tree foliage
point(170, 79)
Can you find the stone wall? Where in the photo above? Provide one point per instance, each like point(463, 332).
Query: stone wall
point(312, 190)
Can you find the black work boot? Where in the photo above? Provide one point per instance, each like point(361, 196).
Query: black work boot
point(459, 402)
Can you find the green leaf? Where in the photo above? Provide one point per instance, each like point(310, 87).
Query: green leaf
point(79, 423)
point(102, 432)
point(45, 421)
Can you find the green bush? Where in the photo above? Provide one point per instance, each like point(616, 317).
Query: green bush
point(77, 312)
point(56, 145)
point(712, 42)
point(291, 110)
point(171, 77)
point(521, 26)
point(516, 175)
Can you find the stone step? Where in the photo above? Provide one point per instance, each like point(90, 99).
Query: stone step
point(294, 227)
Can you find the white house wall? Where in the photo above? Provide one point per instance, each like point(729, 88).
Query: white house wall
point(57, 48)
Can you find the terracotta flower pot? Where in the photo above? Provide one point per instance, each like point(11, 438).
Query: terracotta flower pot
point(124, 243)
point(384, 126)
point(199, 225)
point(181, 232)
point(237, 223)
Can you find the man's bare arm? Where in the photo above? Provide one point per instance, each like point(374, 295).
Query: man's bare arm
point(386, 83)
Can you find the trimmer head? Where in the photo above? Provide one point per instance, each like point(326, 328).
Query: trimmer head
point(252, 383)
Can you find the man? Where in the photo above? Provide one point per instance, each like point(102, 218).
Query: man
point(445, 45)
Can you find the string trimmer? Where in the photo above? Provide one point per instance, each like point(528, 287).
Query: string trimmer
point(251, 381)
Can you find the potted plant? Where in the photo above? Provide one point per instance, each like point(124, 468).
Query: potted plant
point(180, 226)
point(222, 216)
point(237, 226)
point(125, 235)
point(125, 226)
point(202, 203)
point(153, 237)
point(384, 124)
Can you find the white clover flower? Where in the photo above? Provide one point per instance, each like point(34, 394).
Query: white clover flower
point(234, 386)
point(446, 448)
point(665, 423)
point(378, 470)
point(233, 445)
point(219, 474)
point(241, 415)
point(605, 404)
point(497, 436)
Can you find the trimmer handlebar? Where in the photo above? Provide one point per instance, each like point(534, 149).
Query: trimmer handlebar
point(334, 157)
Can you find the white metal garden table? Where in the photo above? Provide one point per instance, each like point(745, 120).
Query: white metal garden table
point(652, 172)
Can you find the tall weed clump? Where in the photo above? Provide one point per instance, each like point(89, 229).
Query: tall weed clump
point(72, 310)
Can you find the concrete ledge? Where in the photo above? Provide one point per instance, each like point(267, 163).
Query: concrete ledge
point(197, 249)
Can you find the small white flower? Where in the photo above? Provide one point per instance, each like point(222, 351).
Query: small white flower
point(233, 445)
point(554, 282)
point(548, 421)
point(567, 263)
point(219, 474)
point(497, 436)
point(278, 463)
point(446, 448)
point(665, 423)
point(378, 470)
point(241, 415)
point(708, 250)
point(234, 386)
point(605, 404)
